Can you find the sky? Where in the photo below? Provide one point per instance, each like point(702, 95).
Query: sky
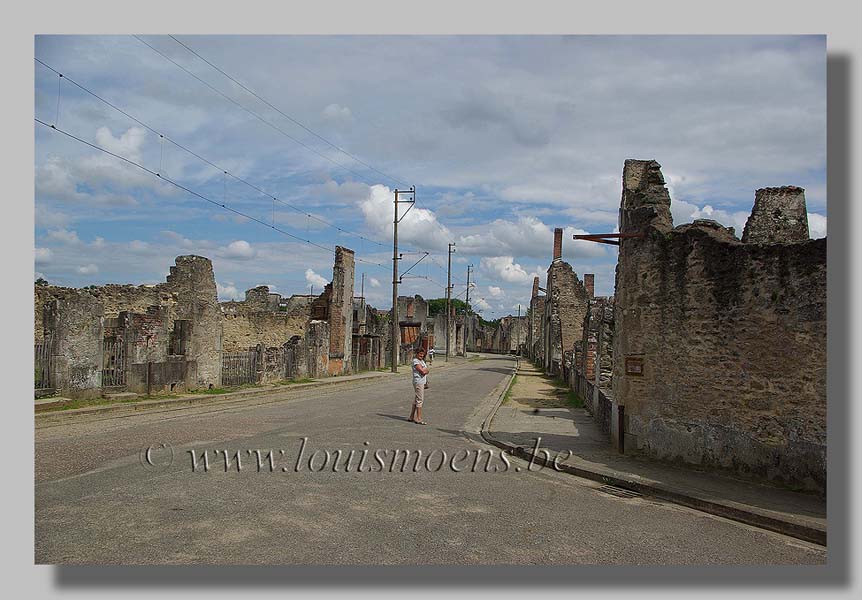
point(503, 137)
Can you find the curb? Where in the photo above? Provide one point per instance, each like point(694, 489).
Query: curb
point(209, 399)
point(191, 400)
point(729, 511)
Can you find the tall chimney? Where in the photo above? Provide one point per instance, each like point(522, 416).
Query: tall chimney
point(558, 244)
point(590, 284)
point(535, 287)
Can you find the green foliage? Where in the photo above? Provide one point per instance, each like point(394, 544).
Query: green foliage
point(41, 281)
point(437, 306)
point(574, 400)
point(508, 395)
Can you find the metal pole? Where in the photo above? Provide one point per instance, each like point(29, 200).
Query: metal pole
point(468, 285)
point(449, 302)
point(396, 338)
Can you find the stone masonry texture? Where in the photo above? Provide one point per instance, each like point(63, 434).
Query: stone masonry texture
point(720, 345)
point(779, 215)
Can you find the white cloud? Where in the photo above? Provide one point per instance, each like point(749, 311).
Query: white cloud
point(495, 291)
point(375, 283)
point(480, 304)
point(528, 236)
point(48, 217)
point(63, 236)
point(90, 269)
point(98, 243)
point(336, 112)
point(314, 279)
point(128, 145)
point(685, 212)
point(504, 267)
point(816, 225)
point(419, 226)
point(138, 246)
point(239, 250)
point(228, 291)
point(44, 256)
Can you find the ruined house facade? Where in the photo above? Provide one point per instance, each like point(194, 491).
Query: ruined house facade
point(140, 338)
point(591, 375)
point(176, 336)
point(554, 322)
point(719, 343)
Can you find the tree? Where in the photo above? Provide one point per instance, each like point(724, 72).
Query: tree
point(41, 281)
point(437, 306)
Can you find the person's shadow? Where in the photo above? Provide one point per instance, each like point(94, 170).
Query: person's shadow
point(396, 417)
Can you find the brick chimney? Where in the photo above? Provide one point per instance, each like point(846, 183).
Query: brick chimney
point(590, 284)
point(535, 287)
point(558, 244)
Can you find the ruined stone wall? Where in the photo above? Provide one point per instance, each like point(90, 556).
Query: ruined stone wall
point(719, 345)
point(536, 331)
point(247, 326)
point(779, 216)
point(566, 304)
point(317, 344)
point(189, 294)
point(340, 312)
point(74, 320)
point(192, 281)
point(113, 299)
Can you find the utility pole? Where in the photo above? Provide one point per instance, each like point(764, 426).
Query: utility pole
point(469, 268)
point(362, 293)
point(395, 330)
point(449, 301)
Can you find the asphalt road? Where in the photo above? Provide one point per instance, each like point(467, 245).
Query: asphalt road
point(99, 501)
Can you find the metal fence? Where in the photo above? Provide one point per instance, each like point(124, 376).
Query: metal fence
point(238, 368)
point(114, 366)
point(43, 363)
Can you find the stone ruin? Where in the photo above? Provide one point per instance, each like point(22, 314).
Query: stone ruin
point(554, 322)
point(719, 343)
point(176, 336)
point(712, 351)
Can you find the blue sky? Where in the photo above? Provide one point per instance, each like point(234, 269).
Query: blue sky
point(505, 138)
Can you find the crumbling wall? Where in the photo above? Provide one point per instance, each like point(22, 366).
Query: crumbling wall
point(317, 344)
point(779, 216)
point(719, 345)
point(247, 325)
point(74, 322)
point(536, 331)
point(192, 281)
point(189, 294)
point(566, 304)
point(340, 312)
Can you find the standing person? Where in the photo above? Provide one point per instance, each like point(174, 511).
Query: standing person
point(420, 370)
point(430, 356)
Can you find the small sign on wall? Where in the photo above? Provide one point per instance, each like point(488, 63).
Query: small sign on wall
point(635, 366)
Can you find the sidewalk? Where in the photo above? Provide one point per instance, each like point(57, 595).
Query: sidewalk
point(129, 404)
point(536, 408)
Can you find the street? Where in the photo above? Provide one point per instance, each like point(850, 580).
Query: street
point(101, 498)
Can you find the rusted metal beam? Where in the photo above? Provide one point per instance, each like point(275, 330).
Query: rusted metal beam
point(608, 238)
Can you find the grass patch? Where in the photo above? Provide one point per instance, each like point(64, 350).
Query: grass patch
point(574, 400)
point(215, 391)
point(508, 395)
point(294, 381)
point(73, 404)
